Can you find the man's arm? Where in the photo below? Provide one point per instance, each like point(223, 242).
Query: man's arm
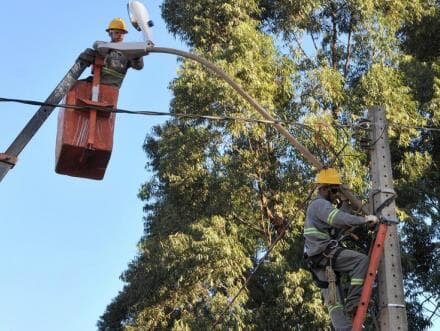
point(327, 213)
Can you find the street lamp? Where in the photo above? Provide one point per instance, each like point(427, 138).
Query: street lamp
point(140, 19)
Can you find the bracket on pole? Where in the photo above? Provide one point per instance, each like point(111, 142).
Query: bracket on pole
point(362, 131)
point(8, 159)
point(391, 219)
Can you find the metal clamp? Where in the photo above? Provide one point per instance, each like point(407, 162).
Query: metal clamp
point(8, 159)
point(386, 203)
point(361, 132)
point(392, 305)
point(333, 244)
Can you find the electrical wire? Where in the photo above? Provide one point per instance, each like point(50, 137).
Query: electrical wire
point(208, 117)
point(420, 128)
point(147, 113)
point(302, 126)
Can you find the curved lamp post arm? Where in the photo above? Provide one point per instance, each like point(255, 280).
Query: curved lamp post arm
point(133, 50)
point(303, 150)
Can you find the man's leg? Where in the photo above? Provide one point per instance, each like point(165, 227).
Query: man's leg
point(355, 264)
point(337, 314)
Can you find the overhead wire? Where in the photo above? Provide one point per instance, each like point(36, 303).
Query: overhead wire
point(208, 117)
point(337, 154)
point(143, 112)
point(419, 128)
point(302, 126)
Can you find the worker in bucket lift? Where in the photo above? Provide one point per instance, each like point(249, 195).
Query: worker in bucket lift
point(115, 63)
point(324, 256)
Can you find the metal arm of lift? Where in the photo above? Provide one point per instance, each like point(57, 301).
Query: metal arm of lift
point(138, 49)
point(135, 50)
point(9, 158)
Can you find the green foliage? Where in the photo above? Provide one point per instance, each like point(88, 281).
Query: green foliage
point(221, 192)
point(422, 38)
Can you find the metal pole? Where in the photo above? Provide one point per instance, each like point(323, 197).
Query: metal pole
point(392, 310)
point(41, 115)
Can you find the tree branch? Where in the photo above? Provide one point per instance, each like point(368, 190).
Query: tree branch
point(295, 38)
point(247, 223)
point(314, 41)
point(347, 58)
point(334, 36)
point(434, 312)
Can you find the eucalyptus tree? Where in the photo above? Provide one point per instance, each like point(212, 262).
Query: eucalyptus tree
point(221, 192)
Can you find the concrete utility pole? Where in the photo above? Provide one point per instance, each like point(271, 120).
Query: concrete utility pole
point(392, 310)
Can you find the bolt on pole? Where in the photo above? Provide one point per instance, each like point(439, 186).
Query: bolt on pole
point(392, 311)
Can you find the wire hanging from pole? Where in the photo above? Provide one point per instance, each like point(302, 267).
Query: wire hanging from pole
point(269, 250)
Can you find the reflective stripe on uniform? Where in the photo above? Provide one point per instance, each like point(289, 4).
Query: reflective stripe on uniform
point(333, 307)
point(357, 281)
point(332, 215)
point(314, 231)
point(112, 72)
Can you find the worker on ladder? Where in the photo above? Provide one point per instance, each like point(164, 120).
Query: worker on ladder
point(325, 257)
point(115, 63)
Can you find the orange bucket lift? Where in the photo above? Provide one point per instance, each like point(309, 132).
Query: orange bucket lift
point(85, 137)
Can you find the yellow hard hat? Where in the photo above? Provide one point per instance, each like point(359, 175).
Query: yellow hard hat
point(328, 176)
point(117, 24)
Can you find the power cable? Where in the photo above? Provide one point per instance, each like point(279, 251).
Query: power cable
point(301, 126)
point(208, 117)
point(420, 128)
point(147, 113)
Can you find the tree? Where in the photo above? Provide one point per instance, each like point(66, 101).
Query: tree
point(419, 176)
point(222, 191)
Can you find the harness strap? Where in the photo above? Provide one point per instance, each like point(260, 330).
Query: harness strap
point(337, 252)
point(314, 262)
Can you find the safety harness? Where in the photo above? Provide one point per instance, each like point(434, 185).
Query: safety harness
point(324, 260)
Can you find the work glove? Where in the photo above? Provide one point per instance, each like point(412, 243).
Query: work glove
point(371, 219)
point(137, 63)
point(88, 56)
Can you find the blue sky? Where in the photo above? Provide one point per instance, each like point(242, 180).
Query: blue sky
point(64, 241)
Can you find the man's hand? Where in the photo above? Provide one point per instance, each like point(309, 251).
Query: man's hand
point(371, 219)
